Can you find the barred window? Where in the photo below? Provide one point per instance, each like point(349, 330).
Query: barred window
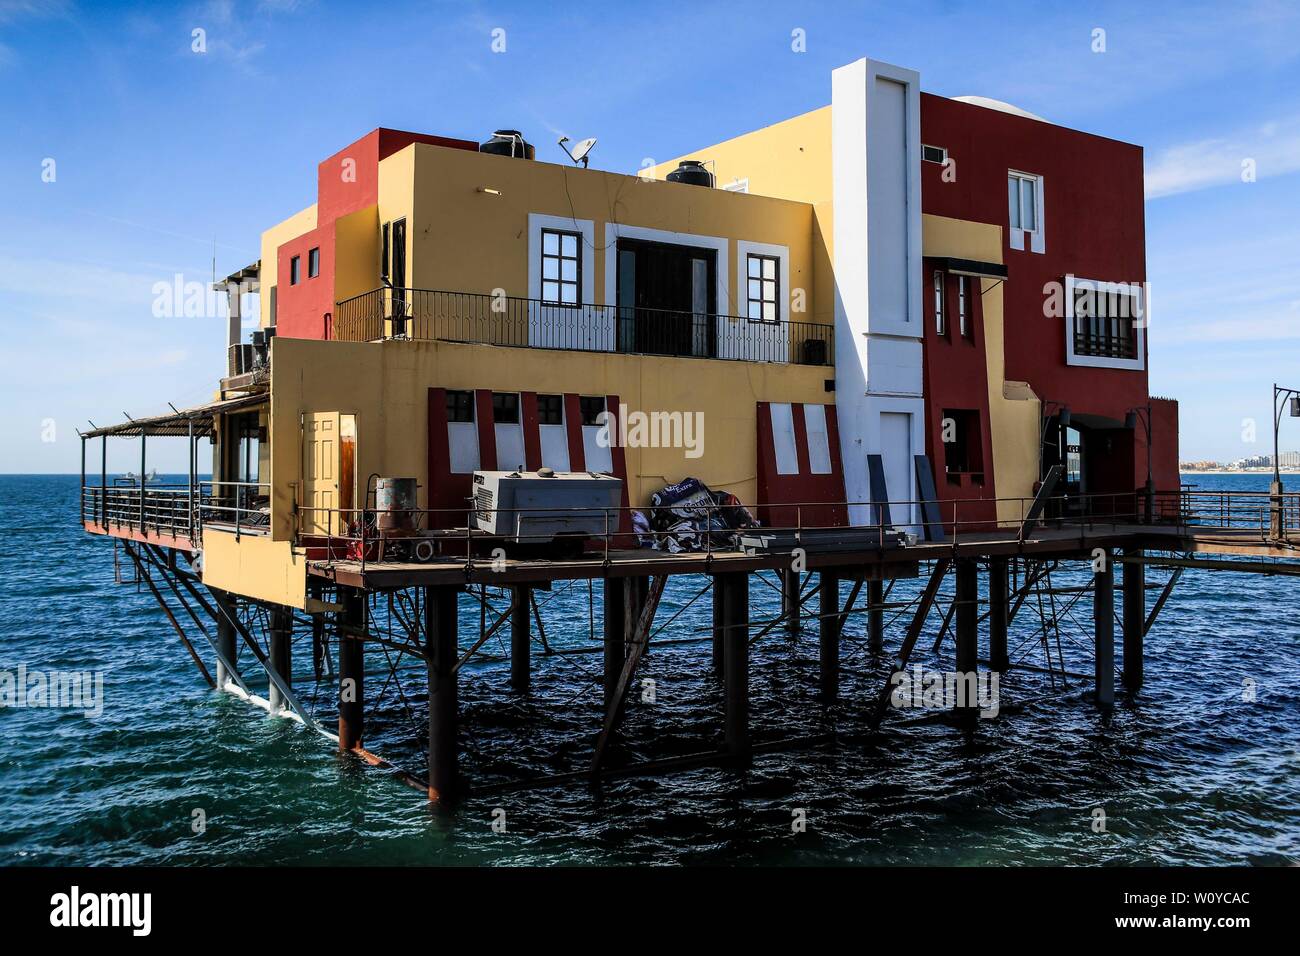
point(460, 406)
point(550, 409)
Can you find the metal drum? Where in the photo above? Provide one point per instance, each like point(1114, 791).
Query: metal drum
point(395, 502)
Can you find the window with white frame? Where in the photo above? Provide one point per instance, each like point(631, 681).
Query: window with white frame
point(1024, 197)
point(561, 267)
point(764, 287)
point(963, 307)
point(940, 318)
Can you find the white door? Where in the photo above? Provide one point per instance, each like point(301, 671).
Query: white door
point(896, 451)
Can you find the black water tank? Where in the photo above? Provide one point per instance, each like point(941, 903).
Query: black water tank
point(508, 142)
point(691, 172)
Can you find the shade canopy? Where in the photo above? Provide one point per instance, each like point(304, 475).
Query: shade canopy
point(179, 424)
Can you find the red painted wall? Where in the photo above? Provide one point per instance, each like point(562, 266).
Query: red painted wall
point(955, 377)
point(1094, 222)
point(300, 309)
point(346, 182)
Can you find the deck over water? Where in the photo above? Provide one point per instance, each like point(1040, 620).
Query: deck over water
point(888, 563)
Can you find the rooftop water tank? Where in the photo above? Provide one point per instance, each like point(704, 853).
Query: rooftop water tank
point(508, 142)
point(692, 172)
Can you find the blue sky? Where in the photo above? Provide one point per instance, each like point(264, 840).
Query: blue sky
point(160, 152)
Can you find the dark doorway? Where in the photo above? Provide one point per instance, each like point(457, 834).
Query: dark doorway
point(1097, 455)
point(667, 298)
point(397, 276)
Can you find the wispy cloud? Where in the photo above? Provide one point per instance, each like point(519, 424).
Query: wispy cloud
point(1271, 149)
point(46, 278)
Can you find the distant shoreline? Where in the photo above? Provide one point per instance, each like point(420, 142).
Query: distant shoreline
point(1266, 473)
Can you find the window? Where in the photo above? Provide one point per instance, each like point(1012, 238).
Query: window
point(1023, 195)
point(313, 263)
point(505, 408)
point(561, 267)
point(1105, 317)
point(383, 252)
point(460, 406)
point(934, 154)
point(962, 448)
point(940, 319)
point(764, 287)
point(550, 409)
point(963, 307)
point(295, 265)
point(592, 407)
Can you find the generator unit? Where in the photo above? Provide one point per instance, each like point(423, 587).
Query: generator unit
point(538, 507)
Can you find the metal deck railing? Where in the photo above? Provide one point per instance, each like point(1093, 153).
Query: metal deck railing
point(426, 314)
point(352, 534)
point(177, 511)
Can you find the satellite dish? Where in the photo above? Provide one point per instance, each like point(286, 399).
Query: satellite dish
point(579, 152)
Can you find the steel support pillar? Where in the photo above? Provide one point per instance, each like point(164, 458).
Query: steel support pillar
point(735, 641)
point(280, 655)
point(615, 612)
point(1135, 614)
point(719, 593)
point(790, 589)
point(830, 625)
point(440, 620)
point(352, 669)
point(520, 637)
point(876, 617)
point(634, 598)
point(999, 608)
point(1103, 617)
point(227, 639)
point(966, 617)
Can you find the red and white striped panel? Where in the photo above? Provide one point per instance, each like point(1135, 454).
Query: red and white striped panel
point(799, 465)
point(459, 448)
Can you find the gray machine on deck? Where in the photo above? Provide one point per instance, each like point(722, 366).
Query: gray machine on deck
point(538, 507)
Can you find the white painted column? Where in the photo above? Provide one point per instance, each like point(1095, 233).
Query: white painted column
point(876, 164)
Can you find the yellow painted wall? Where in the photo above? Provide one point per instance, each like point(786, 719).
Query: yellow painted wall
point(356, 253)
point(397, 195)
point(453, 222)
point(272, 239)
point(787, 160)
point(1014, 411)
point(254, 566)
point(386, 386)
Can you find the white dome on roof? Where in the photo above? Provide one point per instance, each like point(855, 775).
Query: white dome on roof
point(992, 104)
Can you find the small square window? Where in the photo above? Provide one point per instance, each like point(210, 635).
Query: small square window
point(295, 268)
point(592, 407)
point(313, 263)
point(550, 409)
point(460, 406)
point(505, 408)
point(934, 154)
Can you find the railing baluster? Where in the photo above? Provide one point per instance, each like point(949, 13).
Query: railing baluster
point(426, 314)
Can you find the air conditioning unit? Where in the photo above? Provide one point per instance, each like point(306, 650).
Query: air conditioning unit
point(536, 507)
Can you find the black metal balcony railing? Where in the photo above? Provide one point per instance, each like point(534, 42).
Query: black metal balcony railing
point(177, 510)
point(1105, 337)
point(424, 314)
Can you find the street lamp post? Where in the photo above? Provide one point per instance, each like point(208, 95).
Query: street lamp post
point(1291, 401)
point(1142, 413)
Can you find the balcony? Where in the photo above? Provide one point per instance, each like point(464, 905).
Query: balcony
point(427, 315)
point(1105, 337)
